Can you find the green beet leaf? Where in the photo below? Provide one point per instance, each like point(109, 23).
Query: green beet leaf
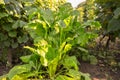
point(19, 70)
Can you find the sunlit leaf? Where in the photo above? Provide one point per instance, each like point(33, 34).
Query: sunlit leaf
point(74, 74)
point(18, 70)
point(25, 59)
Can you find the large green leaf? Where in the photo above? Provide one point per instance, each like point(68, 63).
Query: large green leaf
point(18, 70)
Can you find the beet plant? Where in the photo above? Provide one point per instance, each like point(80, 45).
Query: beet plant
point(54, 32)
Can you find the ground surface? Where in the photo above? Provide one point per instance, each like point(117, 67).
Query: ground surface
point(98, 72)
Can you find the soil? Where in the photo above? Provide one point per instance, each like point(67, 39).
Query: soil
point(98, 72)
point(104, 70)
point(3, 70)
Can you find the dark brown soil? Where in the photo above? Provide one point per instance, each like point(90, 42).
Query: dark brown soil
point(3, 70)
point(98, 72)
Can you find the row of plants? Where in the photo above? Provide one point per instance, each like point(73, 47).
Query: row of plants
point(54, 32)
point(13, 18)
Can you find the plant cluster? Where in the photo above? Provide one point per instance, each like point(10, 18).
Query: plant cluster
point(54, 34)
point(13, 18)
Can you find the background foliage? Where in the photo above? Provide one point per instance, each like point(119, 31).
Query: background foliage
point(109, 17)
